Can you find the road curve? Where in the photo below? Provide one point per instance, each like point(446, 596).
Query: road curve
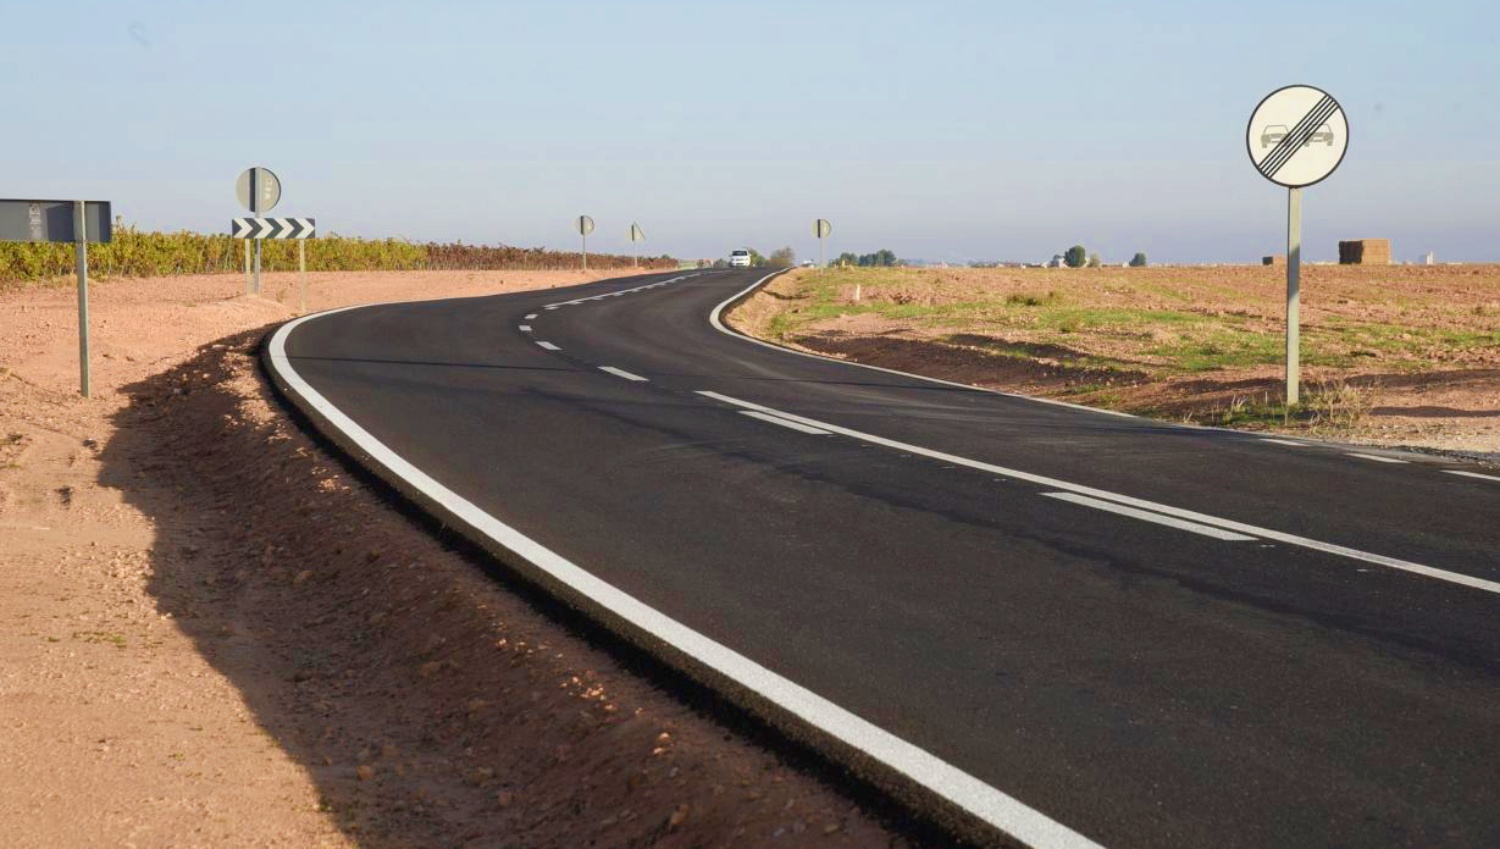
point(1054, 626)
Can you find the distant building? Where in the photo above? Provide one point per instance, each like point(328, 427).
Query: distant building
point(1057, 261)
point(1273, 260)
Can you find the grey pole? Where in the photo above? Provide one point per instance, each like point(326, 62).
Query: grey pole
point(80, 233)
point(257, 268)
point(302, 270)
point(585, 251)
point(1293, 295)
point(249, 286)
point(821, 262)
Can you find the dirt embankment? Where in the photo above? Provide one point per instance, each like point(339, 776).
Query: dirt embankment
point(210, 634)
point(1396, 356)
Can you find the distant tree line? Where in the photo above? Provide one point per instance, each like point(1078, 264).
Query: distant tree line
point(882, 258)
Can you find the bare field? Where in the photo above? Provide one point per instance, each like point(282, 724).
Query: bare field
point(1393, 355)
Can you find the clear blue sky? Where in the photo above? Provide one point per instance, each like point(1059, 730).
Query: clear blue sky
point(947, 131)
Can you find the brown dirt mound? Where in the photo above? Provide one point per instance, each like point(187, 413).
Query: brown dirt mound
point(430, 706)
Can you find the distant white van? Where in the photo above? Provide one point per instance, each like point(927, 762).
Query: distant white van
point(739, 259)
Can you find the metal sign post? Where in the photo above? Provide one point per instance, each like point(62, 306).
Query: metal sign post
point(62, 221)
point(301, 275)
point(585, 227)
point(80, 233)
point(821, 229)
point(1297, 136)
point(259, 191)
point(637, 235)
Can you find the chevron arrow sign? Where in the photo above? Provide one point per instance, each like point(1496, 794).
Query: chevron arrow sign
point(273, 228)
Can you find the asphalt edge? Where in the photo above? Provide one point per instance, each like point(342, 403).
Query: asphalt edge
point(933, 804)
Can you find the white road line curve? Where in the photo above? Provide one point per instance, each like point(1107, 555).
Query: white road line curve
point(1472, 475)
point(1376, 457)
point(1054, 483)
point(549, 346)
point(982, 801)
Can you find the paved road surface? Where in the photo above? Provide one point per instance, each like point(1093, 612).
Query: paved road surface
point(1113, 630)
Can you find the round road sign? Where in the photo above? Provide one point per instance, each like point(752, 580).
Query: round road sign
point(585, 225)
point(258, 190)
point(1297, 136)
point(821, 228)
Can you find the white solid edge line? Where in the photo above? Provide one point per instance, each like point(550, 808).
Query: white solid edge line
point(788, 423)
point(1472, 475)
point(549, 346)
point(988, 804)
point(619, 372)
point(1377, 458)
point(1180, 524)
point(716, 319)
point(1285, 442)
point(1054, 483)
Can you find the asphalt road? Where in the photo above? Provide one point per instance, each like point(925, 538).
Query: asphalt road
point(1144, 634)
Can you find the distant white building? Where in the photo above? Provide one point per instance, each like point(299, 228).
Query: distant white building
point(1057, 261)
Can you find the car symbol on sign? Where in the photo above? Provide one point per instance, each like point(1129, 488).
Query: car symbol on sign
point(1274, 133)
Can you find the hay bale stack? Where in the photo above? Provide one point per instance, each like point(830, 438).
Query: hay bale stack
point(1365, 252)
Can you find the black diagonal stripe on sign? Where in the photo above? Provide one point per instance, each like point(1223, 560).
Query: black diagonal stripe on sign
point(1289, 144)
point(1293, 140)
point(1297, 137)
point(1303, 134)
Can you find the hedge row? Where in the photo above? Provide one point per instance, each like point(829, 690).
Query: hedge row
point(132, 253)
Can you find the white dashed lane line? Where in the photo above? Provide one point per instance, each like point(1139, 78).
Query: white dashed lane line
point(525, 328)
point(619, 372)
point(786, 423)
point(549, 346)
point(1377, 458)
point(530, 316)
point(1472, 475)
point(1180, 524)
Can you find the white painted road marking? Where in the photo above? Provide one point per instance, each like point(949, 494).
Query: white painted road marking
point(798, 426)
point(619, 372)
point(1377, 458)
point(549, 346)
point(1054, 483)
point(1472, 475)
point(530, 316)
point(525, 328)
point(1286, 442)
point(980, 800)
point(1228, 536)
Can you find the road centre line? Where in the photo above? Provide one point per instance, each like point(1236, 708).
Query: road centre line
point(525, 328)
point(1180, 524)
point(530, 316)
point(619, 372)
point(549, 346)
point(1377, 458)
point(1201, 518)
point(1472, 475)
point(977, 798)
point(788, 423)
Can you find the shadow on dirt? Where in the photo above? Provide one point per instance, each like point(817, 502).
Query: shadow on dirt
point(430, 705)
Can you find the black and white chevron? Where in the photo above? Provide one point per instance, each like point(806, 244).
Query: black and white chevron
point(273, 228)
